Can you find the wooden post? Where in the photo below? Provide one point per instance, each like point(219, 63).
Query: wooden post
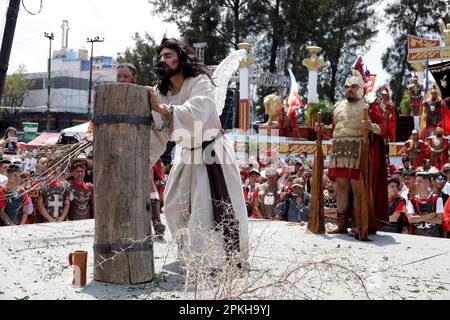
point(122, 185)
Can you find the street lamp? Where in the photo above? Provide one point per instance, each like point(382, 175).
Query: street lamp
point(92, 41)
point(49, 68)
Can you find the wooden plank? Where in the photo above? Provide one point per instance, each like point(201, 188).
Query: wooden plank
point(122, 184)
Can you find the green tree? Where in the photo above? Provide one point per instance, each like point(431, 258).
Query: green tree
point(414, 17)
point(142, 56)
point(14, 94)
point(343, 28)
point(268, 22)
point(222, 24)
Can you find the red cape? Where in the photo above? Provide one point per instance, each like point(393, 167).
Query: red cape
point(378, 168)
point(392, 123)
point(445, 110)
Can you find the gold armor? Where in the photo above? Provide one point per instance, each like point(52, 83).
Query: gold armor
point(347, 134)
point(347, 118)
point(436, 147)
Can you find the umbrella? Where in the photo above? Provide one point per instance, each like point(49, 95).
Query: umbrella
point(316, 221)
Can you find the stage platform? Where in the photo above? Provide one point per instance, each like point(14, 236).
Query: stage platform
point(285, 263)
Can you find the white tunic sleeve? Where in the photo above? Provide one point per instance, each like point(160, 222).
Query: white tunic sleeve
point(158, 140)
point(191, 118)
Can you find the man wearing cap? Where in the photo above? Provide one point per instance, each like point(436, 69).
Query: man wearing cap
point(425, 210)
point(438, 146)
point(406, 164)
point(391, 116)
point(81, 194)
point(268, 195)
point(348, 129)
point(295, 205)
point(416, 149)
point(438, 184)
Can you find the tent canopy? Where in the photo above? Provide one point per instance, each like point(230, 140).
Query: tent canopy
point(44, 139)
point(78, 132)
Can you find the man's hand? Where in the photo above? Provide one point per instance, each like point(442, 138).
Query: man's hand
point(154, 104)
point(415, 219)
point(318, 127)
point(366, 124)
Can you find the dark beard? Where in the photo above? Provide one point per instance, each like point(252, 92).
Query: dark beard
point(351, 98)
point(164, 72)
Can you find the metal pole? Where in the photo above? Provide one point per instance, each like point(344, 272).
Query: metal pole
point(49, 71)
point(8, 37)
point(96, 39)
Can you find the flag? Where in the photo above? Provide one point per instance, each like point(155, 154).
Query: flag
point(369, 81)
point(423, 117)
point(294, 100)
point(370, 84)
point(427, 82)
point(441, 74)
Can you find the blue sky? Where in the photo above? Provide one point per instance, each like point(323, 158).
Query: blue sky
point(116, 21)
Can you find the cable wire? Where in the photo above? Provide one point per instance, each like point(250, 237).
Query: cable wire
point(32, 13)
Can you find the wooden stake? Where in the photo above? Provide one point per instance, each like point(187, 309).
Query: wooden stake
point(123, 248)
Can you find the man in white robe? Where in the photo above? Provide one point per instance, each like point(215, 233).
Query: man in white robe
point(205, 168)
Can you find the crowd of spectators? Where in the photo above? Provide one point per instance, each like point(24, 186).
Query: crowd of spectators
point(417, 195)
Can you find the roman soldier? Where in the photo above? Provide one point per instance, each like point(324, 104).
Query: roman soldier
point(415, 92)
point(416, 149)
point(432, 109)
point(345, 164)
point(438, 147)
point(390, 112)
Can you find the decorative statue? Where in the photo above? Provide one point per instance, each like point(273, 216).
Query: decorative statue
point(273, 106)
point(445, 31)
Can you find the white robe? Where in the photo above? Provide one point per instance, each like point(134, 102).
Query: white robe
point(187, 196)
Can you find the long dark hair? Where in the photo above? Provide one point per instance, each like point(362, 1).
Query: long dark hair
point(8, 131)
point(191, 66)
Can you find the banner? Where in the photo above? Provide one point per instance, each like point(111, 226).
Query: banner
point(30, 129)
point(441, 74)
point(370, 84)
point(419, 49)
